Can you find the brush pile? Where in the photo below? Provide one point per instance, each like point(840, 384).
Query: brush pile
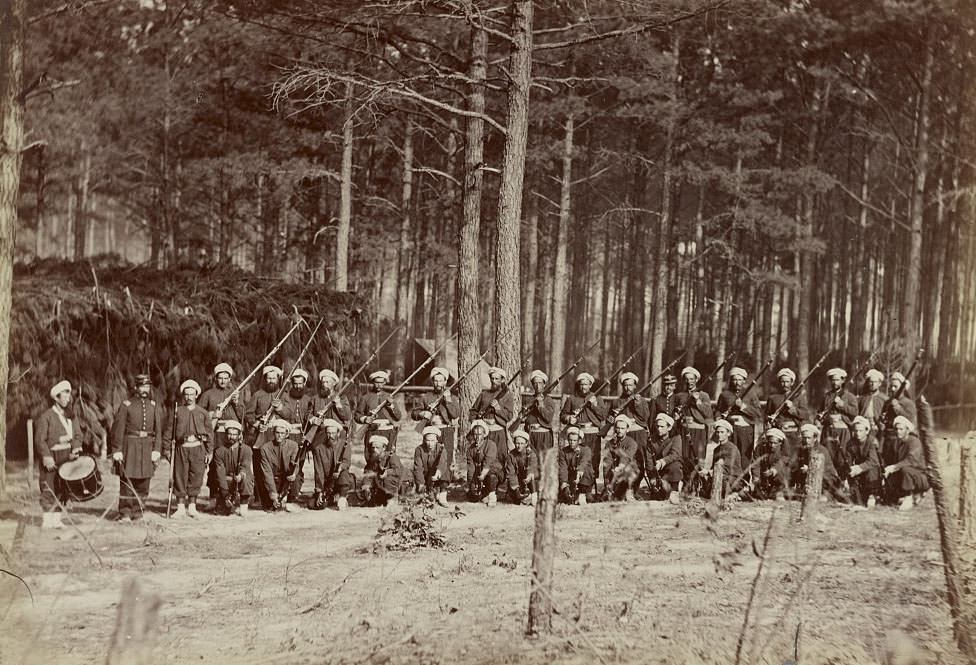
point(100, 323)
point(414, 525)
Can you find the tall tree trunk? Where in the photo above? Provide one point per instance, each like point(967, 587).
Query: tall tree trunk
point(403, 250)
point(82, 203)
point(806, 262)
point(13, 26)
point(530, 249)
point(560, 283)
point(340, 280)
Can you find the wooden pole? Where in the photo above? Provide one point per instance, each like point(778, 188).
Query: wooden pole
point(543, 547)
point(718, 477)
point(135, 627)
point(30, 453)
point(812, 488)
point(967, 489)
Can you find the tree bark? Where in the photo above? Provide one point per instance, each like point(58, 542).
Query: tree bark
point(340, 280)
point(403, 250)
point(812, 489)
point(543, 547)
point(531, 251)
point(967, 489)
point(560, 284)
point(508, 329)
point(82, 204)
point(13, 26)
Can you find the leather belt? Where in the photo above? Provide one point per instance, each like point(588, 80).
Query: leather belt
point(589, 429)
point(494, 427)
point(539, 428)
point(61, 446)
point(141, 434)
point(740, 421)
point(788, 426)
point(192, 444)
point(693, 425)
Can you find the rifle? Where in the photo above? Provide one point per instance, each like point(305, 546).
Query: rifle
point(508, 384)
point(750, 386)
point(608, 381)
point(552, 386)
point(172, 455)
point(266, 417)
point(436, 404)
point(904, 384)
point(308, 435)
point(613, 413)
point(223, 404)
point(795, 391)
point(684, 406)
point(825, 412)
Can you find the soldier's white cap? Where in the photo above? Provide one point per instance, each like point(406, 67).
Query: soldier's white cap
point(874, 375)
point(331, 423)
point(280, 423)
point(190, 383)
point(328, 376)
point(232, 424)
point(573, 430)
point(628, 376)
point(585, 376)
point(786, 372)
point(496, 371)
point(898, 376)
point(441, 371)
point(520, 434)
point(664, 418)
point(738, 372)
point(223, 367)
point(271, 369)
point(377, 440)
point(59, 388)
point(538, 374)
point(380, 374)
point(902, 420)
point(689, 370)
point(775, 433)
point(723, 423)
point(861, 420)
point(622, 418)
point(807, 428)
point(837, 371)
point(479, 423)
point(433, 431)
point(299, 373)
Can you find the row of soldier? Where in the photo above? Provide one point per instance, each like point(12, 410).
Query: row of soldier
point(254, 449)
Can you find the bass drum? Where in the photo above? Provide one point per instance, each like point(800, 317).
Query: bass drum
point(80, 478)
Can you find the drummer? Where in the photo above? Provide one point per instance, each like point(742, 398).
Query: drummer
point(136, 446)
point(56, 441)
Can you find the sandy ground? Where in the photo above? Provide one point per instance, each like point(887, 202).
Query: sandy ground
point(642, 582)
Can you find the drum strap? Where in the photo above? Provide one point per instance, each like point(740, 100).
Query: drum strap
point(65, 421)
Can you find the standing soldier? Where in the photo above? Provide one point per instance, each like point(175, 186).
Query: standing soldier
point(865, 470)
point(619, 462)
point(232, 468)
point(385, 422)
point(191, 450)
point(327, 404)
point(540, 413)
point(667, 401)
point(383, 474)
point(279, 468)
point(137, 444)
point(495, 406)
point(743, 412)
point(430, 467)
point(585, 410)
point(871, 403)
point(485, 471)
point(794, 414)
point(296, 403)
point(639, 412)
point(575, 469)
point(260, 403)
point(441, 410)
point(664, 461)
point(55, 442)
point(523, 471)
point(839, 408)
point(695, 410)
point(331, 459)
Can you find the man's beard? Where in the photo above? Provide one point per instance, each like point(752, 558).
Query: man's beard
point(296, 391)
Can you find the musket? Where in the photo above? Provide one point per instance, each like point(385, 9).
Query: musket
point(613, 413)
point(684, 406)
point(822, 415)
point(552, 386)
point(223, 404)
point(609, 380)
point(172, 454)
point(904, 384)
point(505, 387)
point(386, 400)
point(795, 390)
point(266, 417)
point(749, 387)
point(308, 435)
point(436, 404)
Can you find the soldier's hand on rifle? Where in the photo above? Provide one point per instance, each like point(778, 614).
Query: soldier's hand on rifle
point(437, 475)
point(495, 406)
point(804, 468)
point(369, 419)
point(789, 405)
point(426, 414)
point(154, 456)
point(770, 472)
point(262, 426)
point(739, 404)
point(838, 401)
point(314, 420)
point(563, 486)
point(446, 395)
point(291, 478)
point(856, 470)
point(890, 469)
point(239, 477)
point(337, 401)
point(573, 420)
point(658, 465)
point(49, 465)
point(235, 397)
point(115, 456)
point(592, 400)
point(276, 404)
point(483, 475)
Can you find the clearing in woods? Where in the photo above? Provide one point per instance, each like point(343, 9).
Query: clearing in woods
point(641, 582)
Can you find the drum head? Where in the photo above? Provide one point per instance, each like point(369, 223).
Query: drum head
point(77, 469)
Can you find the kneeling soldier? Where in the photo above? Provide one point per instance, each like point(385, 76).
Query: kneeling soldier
point(279, 468)
point(485, 471)
point(232, 467)
point(331, 459)
point(381, 480)
point(725, 451)
point(810, 436)
point(620, 463)
point(575, 469)
point(431, 466)
point(523, 471)
point(664, 476)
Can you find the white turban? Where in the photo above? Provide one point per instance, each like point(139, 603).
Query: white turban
point(328, 376)
point(738, 372)
point(902, 420)
point(440, 370)
point(380, 374)
point(430, 429)
point(520, 434)
point(628, 375)
point(786, 372)
point(496, 371)
point(299, 373)
point(874, 375)
point(585, 376)
point(775, 433)
point(539, 374)
point(837, 371)
point(807, 428)
point(664, 418)
point(723, 423)
point(190, 383)
point(689, 370)
point(271, 369)
point(59, 388)
point(223, 367)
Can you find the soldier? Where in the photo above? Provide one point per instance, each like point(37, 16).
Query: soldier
point(523, 471)
point(440, 409)
point(485, 472)
point(865, 470)
point(279, 468)
point(331, 460)
point(296, 404)
point(260, 410)
point(871, 403)
point(136, 446)
point(794, 414)
point(192, 450)
point(430, 466)
point(695, 418)
point(744, 412)
point(639, 412)
point(575, 469)
point(211, 400)
point(667, 401)
point(665, 470)
point(327, 404)
point(810, 435)
point(495, 406)
point(839, 408)
point(585, 410)
point(905, 478)
point(55, 442)
point(776, 464)
point(232, 468)
point(381, 479)
point(540, 413)
point(902, 406)
point(385, 422)
point(619, 462)
point(725, 451)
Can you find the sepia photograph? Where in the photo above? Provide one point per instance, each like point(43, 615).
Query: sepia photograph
point(476, 332)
